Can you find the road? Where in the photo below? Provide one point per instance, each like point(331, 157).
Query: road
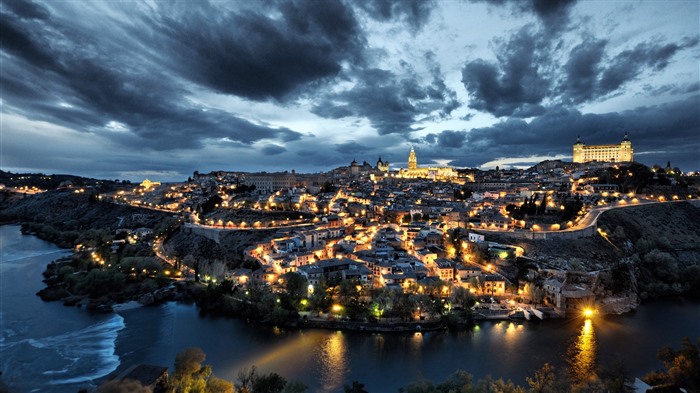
point(160, 253)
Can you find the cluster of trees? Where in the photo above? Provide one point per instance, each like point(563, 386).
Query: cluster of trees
point(48, 232)
point(660, 274)
point(682, 368)
point(191, 376)
point(536, 205)
point(345, 298)
point(637, 177)
point(82, 276)
point(657, 270)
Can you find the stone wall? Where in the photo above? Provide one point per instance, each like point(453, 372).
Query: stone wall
point(542, 235)
point(209, 233)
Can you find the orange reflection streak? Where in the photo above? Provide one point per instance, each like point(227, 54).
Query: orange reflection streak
point(334, 359)
point(582, 354)
point(287, 350)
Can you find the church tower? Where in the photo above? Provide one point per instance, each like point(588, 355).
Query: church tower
point(412, 161)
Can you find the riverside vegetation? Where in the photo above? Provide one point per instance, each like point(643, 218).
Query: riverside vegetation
point(681, 371)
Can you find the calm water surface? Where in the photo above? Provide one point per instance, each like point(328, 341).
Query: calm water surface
point(50, 348)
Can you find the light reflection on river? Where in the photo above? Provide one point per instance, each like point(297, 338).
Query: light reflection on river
point(582, 354)
point(334, 362)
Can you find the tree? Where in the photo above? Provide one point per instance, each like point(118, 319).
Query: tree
point(295, 387)
point(249, 381)
point(683, 365)
point(456, 382)
point(218, 385)
point(296, 285)
point(544, 380)
point(190, 376)
point(463, 298)
point(355, 387)
point(270, 383)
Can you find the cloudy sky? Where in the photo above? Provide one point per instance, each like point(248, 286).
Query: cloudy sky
point(159, 89)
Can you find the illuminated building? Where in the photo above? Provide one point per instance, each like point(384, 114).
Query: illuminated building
point(382, 166)
point(606, 153)
point(149, 184)
point(414, 171)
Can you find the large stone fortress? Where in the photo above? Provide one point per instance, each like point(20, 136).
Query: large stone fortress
point(413, 171)
point(606, 153)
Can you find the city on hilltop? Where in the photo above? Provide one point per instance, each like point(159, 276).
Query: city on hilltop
point(409, 230)
point(369, 247)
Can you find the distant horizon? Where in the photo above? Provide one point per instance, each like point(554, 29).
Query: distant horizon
point(134, 90)
point(391, 169)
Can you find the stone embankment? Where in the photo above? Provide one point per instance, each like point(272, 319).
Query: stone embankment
point(618, 305)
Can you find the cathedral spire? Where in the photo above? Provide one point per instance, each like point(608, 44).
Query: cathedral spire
point(412, 161)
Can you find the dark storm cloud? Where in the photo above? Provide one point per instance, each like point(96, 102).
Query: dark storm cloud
point(19, 42)
point(351, 147)
point(628, 64)
point(672, 127)
point(515, 86)
point(526, 78)
point(26, 9)
point(413, 12)
point(582, 71)
point(447, 139)
point(658, 133)
point(554, 14)
point(272, 52)
point(273, 150)
point(392, 103)
point(589, 77)
point(451, 139)
point(51, 77)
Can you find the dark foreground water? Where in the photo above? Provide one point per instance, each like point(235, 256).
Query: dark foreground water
point(45, 347)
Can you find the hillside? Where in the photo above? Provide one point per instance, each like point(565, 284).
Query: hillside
point(661, 243)
point(61, 216)
point(673, 227)
point(229, 249)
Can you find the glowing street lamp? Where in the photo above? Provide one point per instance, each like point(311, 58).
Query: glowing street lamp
point(588, 312)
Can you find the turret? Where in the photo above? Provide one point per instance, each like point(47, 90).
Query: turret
point(626, 151)
point(578, 150)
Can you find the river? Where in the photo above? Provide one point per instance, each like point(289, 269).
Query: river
point(46, 347)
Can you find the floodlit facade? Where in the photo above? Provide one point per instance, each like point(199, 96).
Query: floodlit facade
point(606, 153)
point(437, 173)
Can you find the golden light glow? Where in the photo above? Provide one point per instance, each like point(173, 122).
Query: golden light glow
point(583, 353)
point(588, 312)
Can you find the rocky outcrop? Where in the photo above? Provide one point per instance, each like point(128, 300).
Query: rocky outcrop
point(53, 292)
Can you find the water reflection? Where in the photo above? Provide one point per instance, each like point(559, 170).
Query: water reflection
point(582, 354)
point(334, 361)
point(507, 332)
